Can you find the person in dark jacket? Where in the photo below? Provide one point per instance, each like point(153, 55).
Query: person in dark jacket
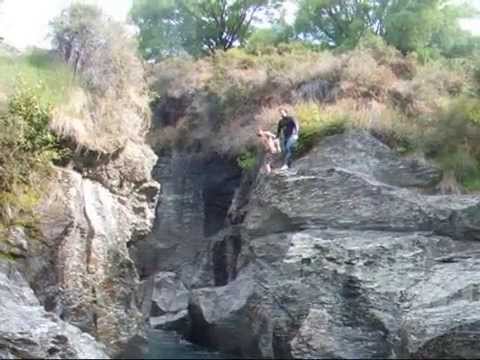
point(288, 128)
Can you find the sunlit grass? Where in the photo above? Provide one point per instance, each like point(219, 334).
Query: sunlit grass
point(52, 79)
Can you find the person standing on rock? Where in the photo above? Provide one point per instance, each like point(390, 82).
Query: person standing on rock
point(289, 128)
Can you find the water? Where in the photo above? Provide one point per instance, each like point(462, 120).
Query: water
point(169, 345)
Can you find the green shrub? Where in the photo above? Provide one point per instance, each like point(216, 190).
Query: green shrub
point(457, 126)
point(6, 257)
point(33, 116)
point(472, 183)
point(454, 140)
point(27, 148)
point(247, 160)
point(462, 164)
point(315, 124)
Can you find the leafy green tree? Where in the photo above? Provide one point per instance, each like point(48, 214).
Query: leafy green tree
point(340, 22)
point(409, 25)
point(98, 48)
point(195, 26)
point(268, 38)
point(427, 25)
point(450, 38)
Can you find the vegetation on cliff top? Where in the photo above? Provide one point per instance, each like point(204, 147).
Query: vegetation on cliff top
point(396, 68)
point(30, 87)
point(88, 94)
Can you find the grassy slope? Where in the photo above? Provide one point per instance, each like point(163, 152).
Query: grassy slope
point(52, 79)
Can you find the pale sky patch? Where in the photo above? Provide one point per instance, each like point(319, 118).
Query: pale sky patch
point(24, 23)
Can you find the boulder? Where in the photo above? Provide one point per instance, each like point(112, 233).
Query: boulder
point(170, 298)
point(350, 254)
point(227, 318)
point(28, 331)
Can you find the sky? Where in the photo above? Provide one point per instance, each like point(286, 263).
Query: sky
point(24, 23)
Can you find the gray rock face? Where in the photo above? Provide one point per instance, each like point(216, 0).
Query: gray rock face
point(196, 194)
point(28, 331)
point(16, 243)
point(169, 303)
point(346, 256)
point(82, 269)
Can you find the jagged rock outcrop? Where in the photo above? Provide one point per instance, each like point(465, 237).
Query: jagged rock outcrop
point(28, 331)
point(348, 255)
point(81, 268)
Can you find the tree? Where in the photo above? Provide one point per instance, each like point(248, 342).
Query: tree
point(195, 26)
point(270, 37)
point(75, 32)
point(98, 48)
point(112, 104)
point(427, 24)
point(340, 22)
point(409, 25)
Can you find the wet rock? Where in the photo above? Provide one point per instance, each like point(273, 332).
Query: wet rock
point(178, 321)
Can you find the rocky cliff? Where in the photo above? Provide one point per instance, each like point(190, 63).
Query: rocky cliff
point(197, 191)
point(350, 254)
point(28, 331)
point(78, 263)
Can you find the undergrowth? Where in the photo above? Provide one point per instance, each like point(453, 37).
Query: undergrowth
point(27, 150)
point(247, 160)
point(316, 124)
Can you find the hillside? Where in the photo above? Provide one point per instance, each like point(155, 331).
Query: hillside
point(218, 103)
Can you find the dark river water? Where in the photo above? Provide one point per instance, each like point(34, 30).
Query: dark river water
point(168, 345)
